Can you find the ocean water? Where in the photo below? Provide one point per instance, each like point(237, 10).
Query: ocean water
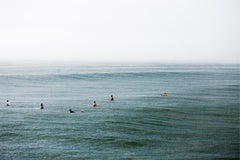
point(199, 119)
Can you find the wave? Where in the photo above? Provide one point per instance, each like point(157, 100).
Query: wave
point(96, 76)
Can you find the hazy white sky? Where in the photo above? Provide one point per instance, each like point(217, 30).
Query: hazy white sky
point(120, 30)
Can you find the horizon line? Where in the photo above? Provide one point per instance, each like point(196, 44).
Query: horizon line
point(94, 62)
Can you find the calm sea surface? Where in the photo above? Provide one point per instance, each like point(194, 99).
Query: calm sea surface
point(199, 119)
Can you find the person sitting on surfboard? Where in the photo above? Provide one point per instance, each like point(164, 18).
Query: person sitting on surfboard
point(94, 104)
point(8, 103)
point(112, 98)
point(41, 106)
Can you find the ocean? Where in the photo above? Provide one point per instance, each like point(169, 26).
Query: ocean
point(198, 120)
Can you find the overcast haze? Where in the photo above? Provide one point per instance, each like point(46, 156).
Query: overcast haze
point(120, 31)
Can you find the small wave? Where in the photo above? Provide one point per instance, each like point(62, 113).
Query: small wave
point(8, 135)
point(94, 76)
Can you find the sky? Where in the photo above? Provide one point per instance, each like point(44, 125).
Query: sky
point(170, 31)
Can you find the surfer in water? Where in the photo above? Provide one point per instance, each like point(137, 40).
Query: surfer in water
point(164, 94)
point(71, 111)
point(94, 104)
point(41, 106)
point(112, 98)
point(8, 103)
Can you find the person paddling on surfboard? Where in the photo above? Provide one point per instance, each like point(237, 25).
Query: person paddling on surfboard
point(71, 111)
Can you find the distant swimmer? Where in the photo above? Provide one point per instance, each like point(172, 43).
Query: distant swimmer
point(8, 103)
point(164, 94)
point(71, 111)
point(112, 98)
point(94, 104)
point(41, 106)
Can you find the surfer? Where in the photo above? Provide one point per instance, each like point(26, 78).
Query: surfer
point(41, 106)
point(94, 104)
point(164, 94)
point(8, 103)
point(71, 111)
point(112, 98)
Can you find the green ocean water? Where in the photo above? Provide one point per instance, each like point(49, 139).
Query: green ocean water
point(199, 119)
